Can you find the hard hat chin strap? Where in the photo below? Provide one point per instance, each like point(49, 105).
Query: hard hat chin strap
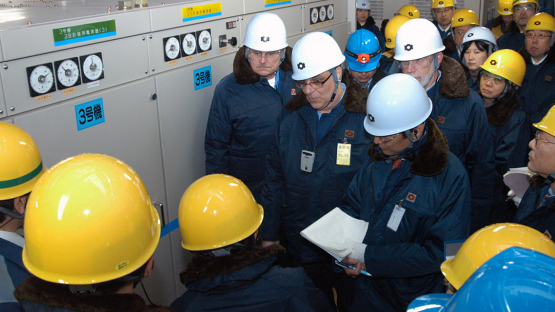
point(337, 82)
point(11, 213)
point(550, 179)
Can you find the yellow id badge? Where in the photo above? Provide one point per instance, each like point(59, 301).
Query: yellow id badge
point(343, 154)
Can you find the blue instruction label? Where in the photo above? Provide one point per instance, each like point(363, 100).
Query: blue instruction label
point(89, 114)
point(202, 77)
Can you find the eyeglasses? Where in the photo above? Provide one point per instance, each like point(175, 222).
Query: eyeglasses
point(269, 55)
point(443, 11)
point(531, 35)
point(521, 8)
point(385, 141)
point(316, 83)
point(541, 140)
point(491, 78)
point(417, 64)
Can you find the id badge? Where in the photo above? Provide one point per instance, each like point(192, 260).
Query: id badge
point(396, 217)
point(307, 160)
point(343, 154)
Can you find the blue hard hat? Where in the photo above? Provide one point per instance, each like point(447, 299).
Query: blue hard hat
point(429, 303)
point(363, 51)
point(516, 279)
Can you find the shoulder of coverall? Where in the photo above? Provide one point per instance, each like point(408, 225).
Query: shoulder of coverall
point(433, 156)
point(353, 100)
point(512, 27)
point(453, 83)
point(58, 296)
point(243, 72)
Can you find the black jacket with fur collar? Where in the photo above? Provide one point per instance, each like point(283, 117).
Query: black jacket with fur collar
point(500, 112)
point(453, 83)
point(243, 72)
point(433, 156)
point(52, 297)
point(354, 100)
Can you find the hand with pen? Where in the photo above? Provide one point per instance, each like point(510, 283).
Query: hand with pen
point(355, 259)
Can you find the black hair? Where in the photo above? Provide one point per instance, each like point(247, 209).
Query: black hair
point(481, 45)
point(113, 286)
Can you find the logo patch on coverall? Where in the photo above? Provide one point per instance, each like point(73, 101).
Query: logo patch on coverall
point(411, 197)
point(546, 233)
point(548, 78)
point(440, 119)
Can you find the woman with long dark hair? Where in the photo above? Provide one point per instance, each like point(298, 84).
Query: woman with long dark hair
point(478, 44)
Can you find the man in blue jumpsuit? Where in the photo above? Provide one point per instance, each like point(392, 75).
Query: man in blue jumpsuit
point(21, 169)
point(231, 271)
point(366, 21)
point(319, 145)
point(247, 102)
point(514, 33)
point(538, 87)
point(442, 12)
point(537, 208)
point(458, 111)
point(413, 193)
point(363, 54)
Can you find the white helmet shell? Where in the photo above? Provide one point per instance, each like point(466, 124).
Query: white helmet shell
point(480, 33)
point(416, 39)
point(396, 103)
point(266, 32)
point(315, 53)
point(363, 5)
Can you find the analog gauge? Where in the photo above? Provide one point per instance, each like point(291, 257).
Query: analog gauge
point(171, 48)
point(189, 44)
point(330, 11)
point(41, 79)
point(322, 14)
point(92, 67)
point(314, 15)
point(205, 40)
point(67, 72)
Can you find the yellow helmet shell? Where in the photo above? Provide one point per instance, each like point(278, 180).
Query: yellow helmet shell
point(506, 63)
point(391, 29)
point(488, 242)
point(541, 21)
point(409, 11)
point(464, 17)
point(21, 162)
point(89, 219)
point(437, 4)
point(505, 7)
point(547, 124)
point(217, 210)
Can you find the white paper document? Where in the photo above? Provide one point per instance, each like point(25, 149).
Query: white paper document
point(517, 180)
point(330, 231)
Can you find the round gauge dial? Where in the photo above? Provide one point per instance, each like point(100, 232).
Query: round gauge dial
point(41, 79)
point(204, 40)
point(189, 44)
point(330, 11)
point(92, 67)
point(68, 73)
point(322, 14)
point(314, 15)
point(172, 48)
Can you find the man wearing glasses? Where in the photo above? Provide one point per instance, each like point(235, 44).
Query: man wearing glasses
point(457, 110)
point(247, 102)
point(442, 11)
point(514, 38)
point(463, 20)
point(413, 193)
point(537, 208)
point(319, 145)
point(538, 87)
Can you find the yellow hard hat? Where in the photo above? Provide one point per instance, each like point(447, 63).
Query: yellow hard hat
point(217, 210)
point(409, 11)
point(541, 21)
point(547, 124)
point(436, 4)
point(488, 242)
point(505, 7)
point(391, 29)
point(516, 2)
point(89, 220)
point(506, 63)
point(464, 17)
point(21, 162)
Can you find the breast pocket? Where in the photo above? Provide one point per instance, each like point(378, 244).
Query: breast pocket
point(409, 223)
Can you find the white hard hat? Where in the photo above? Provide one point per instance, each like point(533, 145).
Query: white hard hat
point(396, 103)
point(480, 33)
point(416, 39)
point(266, 32)
point(363, 5)
point(315, 53)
